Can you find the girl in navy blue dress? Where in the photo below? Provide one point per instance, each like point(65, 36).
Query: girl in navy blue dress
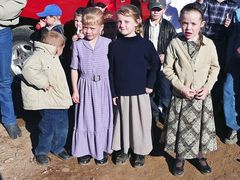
point(133, 65)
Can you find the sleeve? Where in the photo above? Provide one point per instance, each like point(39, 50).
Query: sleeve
point(11, 9)
point(34, 73)
point(168, 69)
point(214, 69)
point(75, 57)
point(153, 60)
point(111, 70)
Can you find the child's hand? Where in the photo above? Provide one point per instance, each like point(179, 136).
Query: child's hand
point(115, 101)
point(75, 37)
point(42, 23)
point(161, 56)
point(202, 93)
point(238, 51)
point(148, 90)
point(75, 97)
point(188, 93)
point(227, 20)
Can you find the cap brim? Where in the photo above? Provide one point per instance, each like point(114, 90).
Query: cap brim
point(42, 14)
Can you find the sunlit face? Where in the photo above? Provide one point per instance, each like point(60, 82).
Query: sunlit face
point(92, 32)
point(191, 22)
point(78, 22)
point(126, 25)
point(156, 13)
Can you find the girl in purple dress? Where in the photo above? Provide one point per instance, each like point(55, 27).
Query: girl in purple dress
point(92, 136)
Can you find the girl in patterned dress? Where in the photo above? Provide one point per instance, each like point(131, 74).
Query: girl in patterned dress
point(192, 67)
point(92, 135)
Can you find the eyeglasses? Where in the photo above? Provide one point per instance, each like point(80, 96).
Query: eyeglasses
point(156, 9)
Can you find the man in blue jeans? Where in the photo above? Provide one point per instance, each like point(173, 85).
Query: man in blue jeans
point(9, 12)
point(231, 90)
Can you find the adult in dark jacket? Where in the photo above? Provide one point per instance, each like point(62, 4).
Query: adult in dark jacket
point(160, 32)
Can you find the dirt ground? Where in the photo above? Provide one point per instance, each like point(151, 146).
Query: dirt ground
point(17, 162)
point(17, 159)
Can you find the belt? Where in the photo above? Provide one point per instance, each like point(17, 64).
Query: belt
point(94, 78)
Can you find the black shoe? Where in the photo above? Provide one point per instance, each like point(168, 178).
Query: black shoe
point(13, 131)
point(63, 155)
point(102, 161)
point(120, 158)
point(138, 161)
point(178, 170)
point(42, 159)
point(84, 160)
point(203, 166)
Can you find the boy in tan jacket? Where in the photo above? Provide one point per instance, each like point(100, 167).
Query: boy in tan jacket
point(45, 88)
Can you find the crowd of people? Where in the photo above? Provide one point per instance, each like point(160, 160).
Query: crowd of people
point(141, 73)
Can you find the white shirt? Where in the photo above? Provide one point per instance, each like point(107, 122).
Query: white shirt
point(153, 33)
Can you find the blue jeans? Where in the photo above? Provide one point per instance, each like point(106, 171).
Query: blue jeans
point(6, 103)
point(231, 97)
point(53, 131)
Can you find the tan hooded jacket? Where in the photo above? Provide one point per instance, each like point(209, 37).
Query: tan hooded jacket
point(41, 70)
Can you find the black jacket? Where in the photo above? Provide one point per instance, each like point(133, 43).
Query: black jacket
point(166, 34)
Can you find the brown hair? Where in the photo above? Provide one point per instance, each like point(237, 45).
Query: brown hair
point(79, 11)
point(132, 11)
point(194, 7)
point(92, 16)
point(53, 38)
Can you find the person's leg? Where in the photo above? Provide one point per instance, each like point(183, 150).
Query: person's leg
point(60, 126)
point(154, 107)
point(203, 166)
point(217, 91)
point(179, 166)
point(230, 97)
point(6, 103)
point(229, 103)
point(46, 128)
point(164, 93)
point(45, 137)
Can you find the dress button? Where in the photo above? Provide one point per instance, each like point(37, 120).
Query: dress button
point(195, 70)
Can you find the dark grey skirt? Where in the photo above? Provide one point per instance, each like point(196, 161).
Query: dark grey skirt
point(189, 128)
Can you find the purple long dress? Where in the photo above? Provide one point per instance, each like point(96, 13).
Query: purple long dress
point(93, 115)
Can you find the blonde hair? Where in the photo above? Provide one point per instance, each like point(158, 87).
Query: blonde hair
point(53, 38)
point(132, 11)
point(92, 16)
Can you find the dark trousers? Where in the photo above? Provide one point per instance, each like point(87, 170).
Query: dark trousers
point(53, 131)
point(217, 91)
point(161, 96)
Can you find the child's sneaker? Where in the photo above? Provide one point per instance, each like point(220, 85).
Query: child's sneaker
point(138, 161)
point(42, 159)
point(120, 158)
point(232, 138)
point(103, 161)
point(63, 155)
point(84, 160)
